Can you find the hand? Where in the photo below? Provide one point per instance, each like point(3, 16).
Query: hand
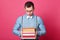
point(36, 32)
point(21, 33)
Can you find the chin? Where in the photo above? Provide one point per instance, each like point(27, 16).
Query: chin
point(30, 14)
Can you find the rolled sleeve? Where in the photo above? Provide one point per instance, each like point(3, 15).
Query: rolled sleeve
point(16, 27)
point(41, 26)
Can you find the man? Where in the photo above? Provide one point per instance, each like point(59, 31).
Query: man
point(29, 20)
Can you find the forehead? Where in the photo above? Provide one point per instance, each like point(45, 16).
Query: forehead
point(29, 8)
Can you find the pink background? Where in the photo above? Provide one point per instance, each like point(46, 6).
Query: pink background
point(49, 10)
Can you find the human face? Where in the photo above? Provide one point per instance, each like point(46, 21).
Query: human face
point(29, 11)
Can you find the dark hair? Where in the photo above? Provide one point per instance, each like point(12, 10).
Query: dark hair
point(29, 4)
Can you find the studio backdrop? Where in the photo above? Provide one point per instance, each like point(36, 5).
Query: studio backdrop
point(48, 10)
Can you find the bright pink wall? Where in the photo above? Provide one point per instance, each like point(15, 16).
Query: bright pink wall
point(49, 10)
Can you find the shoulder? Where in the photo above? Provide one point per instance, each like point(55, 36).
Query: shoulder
point(39, 18)
point(19, 18)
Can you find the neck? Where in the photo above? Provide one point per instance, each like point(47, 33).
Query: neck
point(30, 15)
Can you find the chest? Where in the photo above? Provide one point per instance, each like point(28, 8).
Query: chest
point(29, 23)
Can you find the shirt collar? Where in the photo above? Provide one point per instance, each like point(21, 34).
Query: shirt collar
point(29, 16)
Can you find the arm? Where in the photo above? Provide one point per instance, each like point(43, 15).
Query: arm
point(16, 27)
point(41, 27)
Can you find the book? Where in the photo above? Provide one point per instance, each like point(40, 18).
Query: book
point(28, 33)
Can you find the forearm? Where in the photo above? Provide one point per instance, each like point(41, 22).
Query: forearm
point(42, 30)
point(16, 32)
point(41, 33)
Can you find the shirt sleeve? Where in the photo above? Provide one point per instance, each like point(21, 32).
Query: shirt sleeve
point(16, 27)
point(41, 27)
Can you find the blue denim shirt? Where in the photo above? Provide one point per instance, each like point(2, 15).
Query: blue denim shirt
point(27, 23)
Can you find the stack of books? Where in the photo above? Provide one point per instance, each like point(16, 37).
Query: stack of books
point(28, 33)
